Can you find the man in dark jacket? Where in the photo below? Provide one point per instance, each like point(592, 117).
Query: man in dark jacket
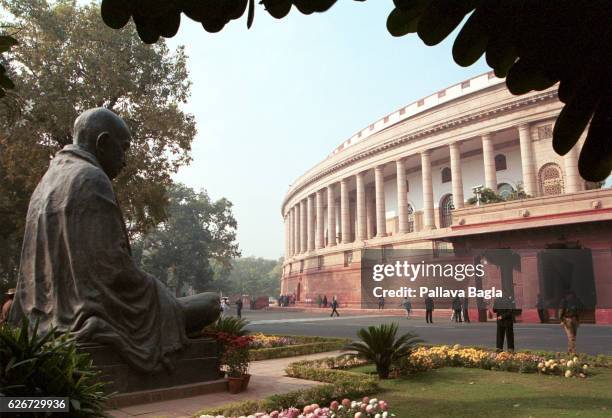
point(457, 309)
point(429, 307)
point(239, 305)
point(334, 306)
point(503, 308)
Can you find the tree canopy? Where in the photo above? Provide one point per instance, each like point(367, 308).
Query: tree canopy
point(534, 44)
point(253, 276)
point(67, 61)
point(180, 250)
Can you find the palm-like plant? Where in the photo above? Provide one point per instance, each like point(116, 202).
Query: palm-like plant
point(379, 345)
point(33, 364)
point(229, 325)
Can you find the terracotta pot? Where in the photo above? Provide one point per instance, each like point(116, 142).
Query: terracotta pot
point(245, 381)
point(234, 384)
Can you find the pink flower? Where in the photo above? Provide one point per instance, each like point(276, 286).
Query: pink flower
point(365, 399)
point(346, 402)
point(369, 409)
point(333, 406)
point(383, 405)
point(358, 415)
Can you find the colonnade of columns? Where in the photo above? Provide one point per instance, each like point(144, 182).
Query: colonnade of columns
point(304, 222)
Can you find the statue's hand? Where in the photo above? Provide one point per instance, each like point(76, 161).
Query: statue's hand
point(200, 310)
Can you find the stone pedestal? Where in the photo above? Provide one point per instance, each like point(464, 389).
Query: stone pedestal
point(198, 362)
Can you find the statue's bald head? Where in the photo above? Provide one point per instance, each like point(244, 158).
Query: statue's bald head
point(104, 134)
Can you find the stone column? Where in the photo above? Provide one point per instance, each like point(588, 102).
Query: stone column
point(296, 226)
point(402, 197)
point(429, 222)
point(527, 161)
point(361, 208)
point(370, 213)
point(345, 212)
point(457, 179)
point(320, 236)
point(286, 224)
point(311, 223)
point(331, 216)
point(303, 227)
point(573, 181)
point(381, 213)
point(488, 154)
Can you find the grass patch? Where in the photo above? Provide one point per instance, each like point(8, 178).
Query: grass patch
point(462, 392)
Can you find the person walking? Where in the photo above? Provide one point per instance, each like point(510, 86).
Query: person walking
point(407, 306)
point(325, 301)
point(466, 312)
point(239, 305)
point(6, 307)
point(319, 301)
point(429, 307)
point(570, 307)
point(334, 306)
point(381, 303)
point(457, 309)
point(503, 308)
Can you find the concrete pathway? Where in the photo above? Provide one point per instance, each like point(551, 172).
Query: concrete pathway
point(267, 378)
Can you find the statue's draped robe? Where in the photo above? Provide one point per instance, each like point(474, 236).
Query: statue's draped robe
point(77, 271)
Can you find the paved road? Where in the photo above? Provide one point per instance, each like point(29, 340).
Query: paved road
point(592, 339)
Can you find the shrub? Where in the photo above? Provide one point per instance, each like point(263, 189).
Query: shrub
point(49, 365)
point(380, 346)
point(344, 384)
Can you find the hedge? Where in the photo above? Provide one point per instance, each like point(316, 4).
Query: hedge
point(344, 384)
point(310, 345)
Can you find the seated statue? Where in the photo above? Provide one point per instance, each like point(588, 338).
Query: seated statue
point(77, 272)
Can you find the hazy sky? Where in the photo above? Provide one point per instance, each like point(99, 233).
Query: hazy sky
point(273, 101)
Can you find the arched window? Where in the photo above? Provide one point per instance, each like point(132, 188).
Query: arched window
point(410, 218)
point(446, 175)
point(446, 206)
point(505, 190)
point(551, 180)
point(500, 162)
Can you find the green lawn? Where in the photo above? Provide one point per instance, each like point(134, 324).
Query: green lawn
point(462, 392)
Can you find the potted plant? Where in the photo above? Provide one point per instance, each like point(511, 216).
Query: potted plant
point(236, 362)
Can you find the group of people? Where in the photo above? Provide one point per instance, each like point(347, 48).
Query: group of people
point(225, 307)
point(461, 312)
point(286, 300)
point(505, 312)
point(322, 301)
point(407, 306)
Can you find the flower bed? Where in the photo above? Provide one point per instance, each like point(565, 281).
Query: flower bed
point(364, 408)
point(426, 358)
point(259, 340)
point(297, 346)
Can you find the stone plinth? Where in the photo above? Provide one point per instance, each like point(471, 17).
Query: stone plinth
point(198, 362)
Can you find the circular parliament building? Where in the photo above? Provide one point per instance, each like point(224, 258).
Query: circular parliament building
point(466, 172)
